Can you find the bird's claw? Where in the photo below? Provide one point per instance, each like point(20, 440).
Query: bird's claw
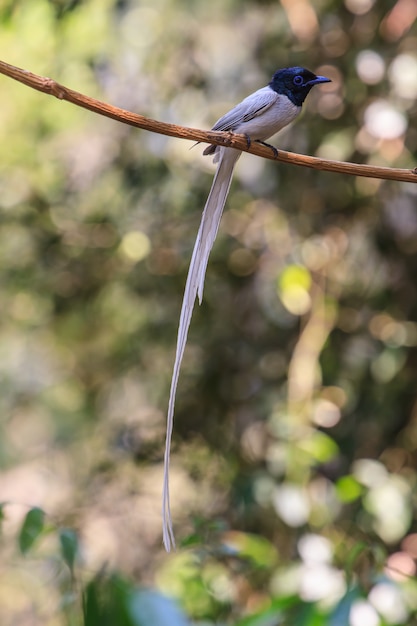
point(268, 145)
point(248, 141)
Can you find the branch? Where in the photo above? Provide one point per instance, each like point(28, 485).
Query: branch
point(230, 140)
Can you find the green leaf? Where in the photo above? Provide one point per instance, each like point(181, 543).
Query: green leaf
point(32, 527)
point(249, 546)
point(354, 553)
point(310, 614)
point(348, 488)
point(106, 602)
point(320, 447)
point(91, 604)
point(69, 546)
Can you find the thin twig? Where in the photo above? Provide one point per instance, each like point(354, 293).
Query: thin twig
point(51, 87)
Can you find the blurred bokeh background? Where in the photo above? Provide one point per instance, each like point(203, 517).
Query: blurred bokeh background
point(294, 463)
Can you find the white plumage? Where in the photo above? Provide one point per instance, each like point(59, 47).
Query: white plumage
point(259, 116)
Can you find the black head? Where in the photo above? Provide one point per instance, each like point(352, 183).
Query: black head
point(295, 83)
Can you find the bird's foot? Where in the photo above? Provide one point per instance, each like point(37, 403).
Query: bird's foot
point(248, 140)
point(268, 145)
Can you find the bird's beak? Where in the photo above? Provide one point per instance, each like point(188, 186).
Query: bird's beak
point(318, 80)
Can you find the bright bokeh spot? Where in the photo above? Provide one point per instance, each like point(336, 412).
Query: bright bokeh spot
point(363, 613)
point(403, 75)
point(326, 413)
point(321, 582)
point(384, 121)
point(315, 549)
point(135, 246)
point(388, 600)
point(370, 67)
point(296, 300)
point(359, 7)
point(348, 489)
point(291, 504)
point(400, 566)
point(390, 505)
point(369, 472)
point(294, 285)
point(295, 275)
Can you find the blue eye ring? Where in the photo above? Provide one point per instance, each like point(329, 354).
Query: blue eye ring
point(298, 80)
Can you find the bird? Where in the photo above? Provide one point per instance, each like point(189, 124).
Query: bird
point(259, 116)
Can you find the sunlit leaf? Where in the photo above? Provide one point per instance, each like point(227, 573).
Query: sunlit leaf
point(245, 545)
point(348, 489)
point(32, 527)
point(320, 446)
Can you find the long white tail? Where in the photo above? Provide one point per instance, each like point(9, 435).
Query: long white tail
point(195, 284)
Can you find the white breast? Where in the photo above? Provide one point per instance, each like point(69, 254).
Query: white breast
point(281, 113)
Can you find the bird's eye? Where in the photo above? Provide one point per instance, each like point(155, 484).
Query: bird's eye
point(298, 80)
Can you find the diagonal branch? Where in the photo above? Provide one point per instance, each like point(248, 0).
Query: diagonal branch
point(51, 87)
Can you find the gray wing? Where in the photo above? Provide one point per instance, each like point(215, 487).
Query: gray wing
point(252, 106)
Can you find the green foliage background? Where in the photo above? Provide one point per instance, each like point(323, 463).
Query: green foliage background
point(294, 454)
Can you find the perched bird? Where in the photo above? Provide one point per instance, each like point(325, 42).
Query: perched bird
point(259, 116)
